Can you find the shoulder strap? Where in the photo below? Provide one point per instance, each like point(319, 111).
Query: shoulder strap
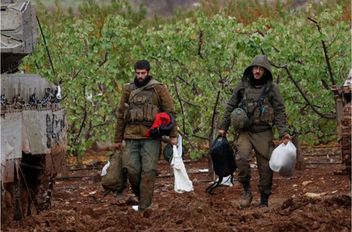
point(134, 92)
point(241, 93)
point(264, 93)
point(262, 97)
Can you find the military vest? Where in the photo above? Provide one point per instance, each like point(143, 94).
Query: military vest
point(257, 104)
point(143, 105)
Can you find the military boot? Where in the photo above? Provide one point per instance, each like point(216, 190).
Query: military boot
point(264, 200)
point(247, 196)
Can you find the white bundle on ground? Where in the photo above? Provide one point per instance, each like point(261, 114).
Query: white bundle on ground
point(182, 182)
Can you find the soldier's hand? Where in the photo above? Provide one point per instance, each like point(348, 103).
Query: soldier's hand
point(222, 132)
point(117, 146)
point(285, 139)
point(173, 140)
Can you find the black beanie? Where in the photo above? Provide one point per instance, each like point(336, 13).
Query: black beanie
point(142, 64)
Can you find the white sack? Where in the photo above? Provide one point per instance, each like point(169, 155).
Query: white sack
point(104, 171)
point(283, 159)
point(182, 182)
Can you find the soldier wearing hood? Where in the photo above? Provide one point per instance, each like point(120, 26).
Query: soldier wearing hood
point(262, 107)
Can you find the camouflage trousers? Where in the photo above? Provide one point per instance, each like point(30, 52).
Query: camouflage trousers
point(140, 158)
point(263, 146)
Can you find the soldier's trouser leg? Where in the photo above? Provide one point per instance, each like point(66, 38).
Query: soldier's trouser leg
point(132, 162)
point(243, 157)
point(263, 145)
point(140, 159)
point(150, 156)
point(244, 148)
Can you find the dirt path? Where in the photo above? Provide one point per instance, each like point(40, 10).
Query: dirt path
point(313, 200)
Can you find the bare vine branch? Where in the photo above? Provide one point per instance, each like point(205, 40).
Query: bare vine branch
point(190, 103)
point(314, 108)
point(200, 137)
point(103, 61)
point(211, 135)
point(213, 118)
point(85, 116)
point(187, 139)
point(76, 74)
point(181, 105)
point(327, 60)
point(200, 44)
point(193, 86)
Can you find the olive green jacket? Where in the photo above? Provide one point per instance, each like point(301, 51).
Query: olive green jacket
point(161, 95)
point(274, 96)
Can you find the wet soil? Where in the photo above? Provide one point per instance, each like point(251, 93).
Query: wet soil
point(314, 199)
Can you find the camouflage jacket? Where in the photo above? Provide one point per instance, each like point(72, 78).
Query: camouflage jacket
point(161, 100)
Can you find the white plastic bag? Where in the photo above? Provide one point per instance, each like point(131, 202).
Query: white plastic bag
point(182, 182)
point(104, 171)
point(283, 159)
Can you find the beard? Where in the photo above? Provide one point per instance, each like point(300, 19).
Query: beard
point(257, 82)
point(141, 83)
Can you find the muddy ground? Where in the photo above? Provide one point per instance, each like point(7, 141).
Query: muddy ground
point(314, 199)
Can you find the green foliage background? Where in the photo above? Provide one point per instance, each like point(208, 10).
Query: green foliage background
point(196, 54)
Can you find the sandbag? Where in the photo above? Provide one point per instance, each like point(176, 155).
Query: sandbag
point(114, 177)
point(283, 159)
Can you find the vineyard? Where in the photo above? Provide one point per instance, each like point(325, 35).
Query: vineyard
point(199, 51)
point(200, 55)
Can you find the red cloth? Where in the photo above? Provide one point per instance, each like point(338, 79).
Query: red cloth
point(161, 119)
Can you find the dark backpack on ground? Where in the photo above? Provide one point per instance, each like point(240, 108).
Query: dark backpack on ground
point(223, 158)
point(115, 179)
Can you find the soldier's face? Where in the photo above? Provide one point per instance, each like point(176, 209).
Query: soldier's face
point(258, 72)
point(141, 74)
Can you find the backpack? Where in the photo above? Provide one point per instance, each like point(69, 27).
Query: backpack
point(115, 179)
point(223, 158)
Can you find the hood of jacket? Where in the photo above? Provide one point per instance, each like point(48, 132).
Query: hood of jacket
point(261, 61)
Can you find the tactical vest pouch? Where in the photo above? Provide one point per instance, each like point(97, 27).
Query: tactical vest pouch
point(149, 112)
point(267, 115)
point(259, 111)
point(264, 114)
point(135, 115)
point(141, 109)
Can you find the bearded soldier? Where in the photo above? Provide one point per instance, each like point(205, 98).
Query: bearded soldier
point(141, 101)
point(255, 107)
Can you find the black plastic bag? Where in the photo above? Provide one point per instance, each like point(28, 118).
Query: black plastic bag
point(223, 158)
